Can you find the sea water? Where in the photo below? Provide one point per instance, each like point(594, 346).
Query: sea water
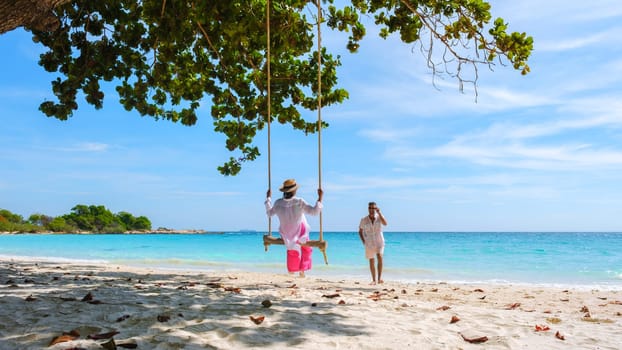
point(585, 259)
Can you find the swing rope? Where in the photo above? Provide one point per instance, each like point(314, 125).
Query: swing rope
point(319, 109)
point(269, 102)
point(268, 239)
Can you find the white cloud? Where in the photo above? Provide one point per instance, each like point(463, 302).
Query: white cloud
point(86, 147)
point(606, 38)
point(388, 134)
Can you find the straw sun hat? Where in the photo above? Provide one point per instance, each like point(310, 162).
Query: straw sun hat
point(289, 185)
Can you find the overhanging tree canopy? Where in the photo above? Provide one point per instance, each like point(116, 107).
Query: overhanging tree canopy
point(168, 56)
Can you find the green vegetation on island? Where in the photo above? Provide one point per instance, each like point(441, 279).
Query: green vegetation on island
point(83, 218)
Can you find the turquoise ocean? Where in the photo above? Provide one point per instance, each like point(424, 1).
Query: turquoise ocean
point(576, 259)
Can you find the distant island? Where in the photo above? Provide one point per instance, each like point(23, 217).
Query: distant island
point(83, 219)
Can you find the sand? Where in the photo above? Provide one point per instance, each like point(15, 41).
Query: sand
point(108, 307)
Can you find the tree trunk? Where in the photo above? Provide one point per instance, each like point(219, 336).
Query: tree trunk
point(30, 14)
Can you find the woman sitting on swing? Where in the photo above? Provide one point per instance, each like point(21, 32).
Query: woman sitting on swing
point(293, 225)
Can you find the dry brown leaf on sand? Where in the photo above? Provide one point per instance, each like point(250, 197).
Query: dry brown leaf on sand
point(454, 319)
point(559, 336)
point(512, 306)
point(102, 335)
point(330, 295)
point(258, 319)
point(163, 318)
point(474, 339)
point(62, 338)
point(542, 328)
point(88, 297)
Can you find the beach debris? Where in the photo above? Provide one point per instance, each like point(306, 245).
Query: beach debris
point(512, 306)
point(454, 319)
point(9, 282)
point(434, 290)
point(88, 297)
point(553, 320)
point(257, 320)
point(482, 298)
point(616, 302)
point(330, 296)
point(266, 303)
point(131, 345)
point(474, 339)
point(61, 339)
point(214, 285)
point(375, 296)
point(547, 311)
point(233, 289)
point(559, 336)
point(30, 298)
point(313, 304)
point(109, 345)
point(122, 318)
point(443, 308)
point(602, 298)
point(341, 302)
point(65, 337)
point(596, 320)
point(404, 291)
point(102, 335)
point(585, 309)
point(564, 299)
point(163, 318)
point(542, 328)
point(479, 290)
point(293, 286)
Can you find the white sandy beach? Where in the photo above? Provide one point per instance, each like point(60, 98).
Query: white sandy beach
point(159, 309)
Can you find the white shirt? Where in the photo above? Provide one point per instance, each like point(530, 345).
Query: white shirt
point(291, 215)
point(372, 232)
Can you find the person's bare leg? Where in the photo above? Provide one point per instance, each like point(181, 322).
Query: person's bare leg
point(372, 269)
point(380, 269)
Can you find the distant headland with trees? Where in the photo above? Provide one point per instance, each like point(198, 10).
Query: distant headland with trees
point(81, 219)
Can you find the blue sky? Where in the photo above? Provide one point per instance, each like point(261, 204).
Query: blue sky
point(541, 152)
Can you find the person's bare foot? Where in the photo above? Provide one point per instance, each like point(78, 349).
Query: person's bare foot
point(373, 283)
point(302, 274)
point(380, 282)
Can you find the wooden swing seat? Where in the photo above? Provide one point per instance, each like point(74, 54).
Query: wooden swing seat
point(321, 244)
point(269, 240)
